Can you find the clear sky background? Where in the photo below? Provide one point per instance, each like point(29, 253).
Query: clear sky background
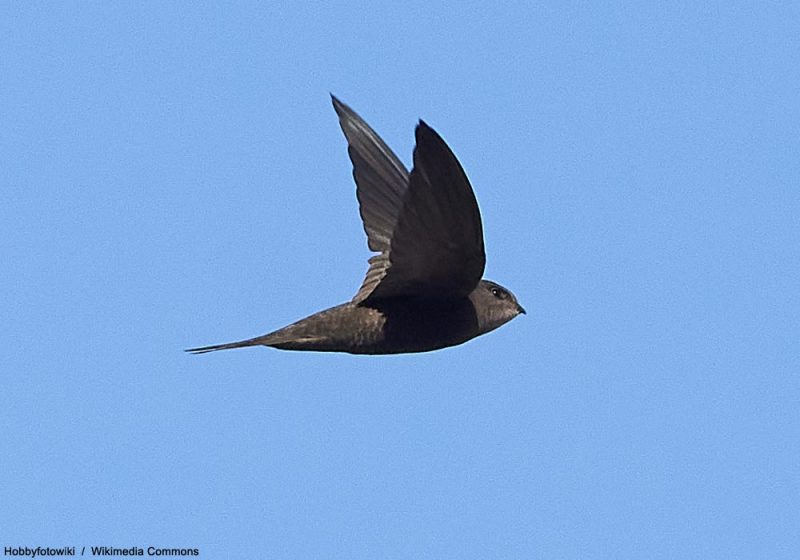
point(173, 175)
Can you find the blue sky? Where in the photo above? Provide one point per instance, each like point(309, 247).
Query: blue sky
point(173, 175)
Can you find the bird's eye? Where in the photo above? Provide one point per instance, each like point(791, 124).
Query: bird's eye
point(498, 293)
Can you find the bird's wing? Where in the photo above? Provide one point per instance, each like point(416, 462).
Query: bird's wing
point(426, 226)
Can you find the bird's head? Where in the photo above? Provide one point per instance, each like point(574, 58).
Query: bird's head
point(494, 305)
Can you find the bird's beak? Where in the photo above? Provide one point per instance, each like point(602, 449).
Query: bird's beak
point(521, 309)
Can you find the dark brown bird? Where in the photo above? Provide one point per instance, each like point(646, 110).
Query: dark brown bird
point(423, 290)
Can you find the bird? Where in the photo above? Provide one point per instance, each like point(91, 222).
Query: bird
point(423, 289)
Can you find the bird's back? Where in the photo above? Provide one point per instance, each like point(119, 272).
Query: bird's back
point(389, 326)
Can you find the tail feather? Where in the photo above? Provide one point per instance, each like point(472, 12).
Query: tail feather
point(214, 347)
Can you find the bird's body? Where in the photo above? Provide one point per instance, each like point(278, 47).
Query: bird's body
point(423, 290)
point(389, 326)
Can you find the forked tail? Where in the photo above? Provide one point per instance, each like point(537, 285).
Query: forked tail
point(214, 347)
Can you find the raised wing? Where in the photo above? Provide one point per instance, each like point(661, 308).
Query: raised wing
point(426, 226)
point(381, 179)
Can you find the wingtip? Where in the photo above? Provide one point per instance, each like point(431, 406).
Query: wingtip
point(338, 106)
point(423, 127)
point(424, 131)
